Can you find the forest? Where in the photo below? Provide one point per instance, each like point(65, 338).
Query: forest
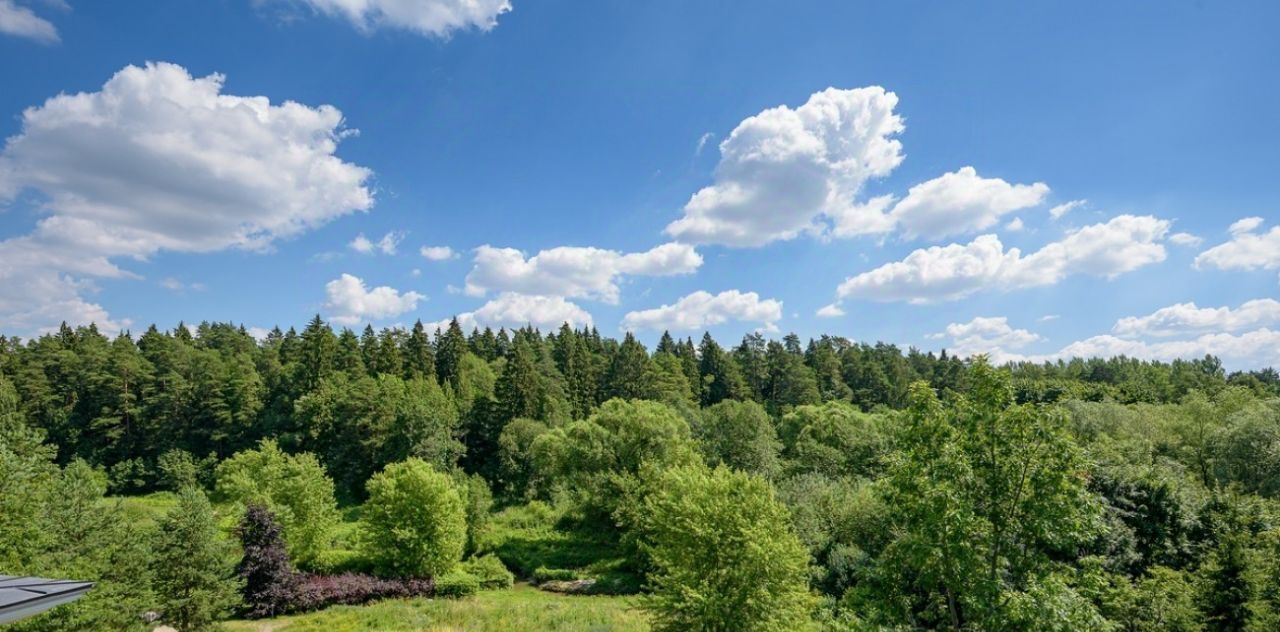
point(199, 475)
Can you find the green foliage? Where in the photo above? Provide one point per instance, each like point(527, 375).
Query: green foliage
point(845, 524)
point(490, 571)
point(1226, 586)
point(723, 554)
point(457, 583)
point(519, 477)
point(478, 501)
point(294, 487)
point(739, 435)
point(55, 523)
point(414, 522)
point(835, 439)
point(178, 469)
point(544, 574)
point(192, 565)
point(598, 458)
point(986, 495)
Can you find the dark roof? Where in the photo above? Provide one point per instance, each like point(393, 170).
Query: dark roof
point(24, 596)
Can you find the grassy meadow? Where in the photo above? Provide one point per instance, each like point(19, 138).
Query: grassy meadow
point(516, 610)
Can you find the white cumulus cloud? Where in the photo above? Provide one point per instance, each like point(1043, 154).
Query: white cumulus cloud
point(783, 168)
point(830, 311)
point(990, 335)
point(1249, 350)
point(1187, 317)
point(573, 272)
point(160, 161)
point(349, 302)
point(942, 273)
point(1185, 239)
point(437, 18)
point(702, 309)
point(961, 202)
point(1246, 250)
point(437, 253)
point(1066, 207)
point(512, 310)
point(21, 21)
point(387, 245)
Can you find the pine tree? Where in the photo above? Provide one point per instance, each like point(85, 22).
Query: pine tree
point(193, 578)
point(369, 349)
point(449, 350)
point(419, 361)
point(389, 358)
point(629, 375)
point(350, 357)
point(721, 378)
point(319, 346)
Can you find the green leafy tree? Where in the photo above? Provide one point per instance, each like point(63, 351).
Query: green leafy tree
point(194, 573)
point(294, 487)
point(835, 439)
point(599, 458)
point(723, 554)
point(987, 494)
point(414, 523)
point(739, 435)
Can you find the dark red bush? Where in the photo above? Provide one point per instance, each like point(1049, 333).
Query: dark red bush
point(270, 585)
point(317, 591)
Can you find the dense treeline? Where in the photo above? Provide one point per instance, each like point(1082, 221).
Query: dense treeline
point(771, 484)
point(363, 400)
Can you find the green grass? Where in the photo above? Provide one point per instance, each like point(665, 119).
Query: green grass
point(519, 609)
point(531, 537)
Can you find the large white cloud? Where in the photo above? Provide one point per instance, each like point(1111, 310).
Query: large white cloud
point(700, 310)
point(21, 21)
point(990, 335)
point(437, 18)
point(942, 273)
point(783, 168)
point(158, 160)
point(574, 272)
point(1185, 318)
point(513, 311)
point(1256, 348)
point(1246, 250)
point(1249, 350)
point(349, 302)
point(961, 202)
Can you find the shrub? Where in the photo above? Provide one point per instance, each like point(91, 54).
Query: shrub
point(352, 589)
point(457, 584)
point(269, 581)
point(337, 561)
point(490, 570)
point(294, 487)
point(544, 574)
point(414, 521)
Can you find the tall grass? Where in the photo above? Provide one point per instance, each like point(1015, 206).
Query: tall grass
point(520, 609)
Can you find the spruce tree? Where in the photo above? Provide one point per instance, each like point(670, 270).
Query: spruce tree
point(193, 577)
point(629, 375)
point(449, 350)
point(419, 361)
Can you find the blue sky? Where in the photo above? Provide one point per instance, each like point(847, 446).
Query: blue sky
point(547, 125)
